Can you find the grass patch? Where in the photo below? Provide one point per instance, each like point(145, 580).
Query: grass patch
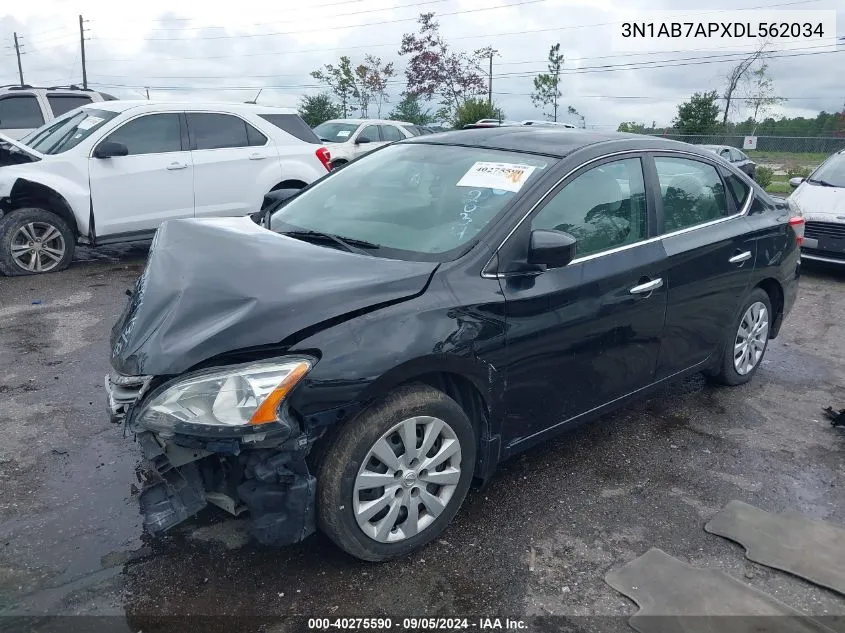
point(789, 160)
point(779, 187)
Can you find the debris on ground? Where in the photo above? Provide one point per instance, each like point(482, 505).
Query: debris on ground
point(836, 418)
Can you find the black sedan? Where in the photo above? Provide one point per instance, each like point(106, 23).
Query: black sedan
point(423, 313)
point(735, 157)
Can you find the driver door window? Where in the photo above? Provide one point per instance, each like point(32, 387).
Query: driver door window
point(150, 134)
point(370, 132)
point(603, 208)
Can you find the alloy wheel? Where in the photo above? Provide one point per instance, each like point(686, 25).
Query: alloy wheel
point(751, 338)
point(38, 247)
point(407, 479)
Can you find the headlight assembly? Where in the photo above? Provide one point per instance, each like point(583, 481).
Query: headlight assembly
point(230, 398)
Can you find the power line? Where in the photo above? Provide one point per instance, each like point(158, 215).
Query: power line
point(573, 71)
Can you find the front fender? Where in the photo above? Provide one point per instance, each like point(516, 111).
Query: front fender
point(67, 180)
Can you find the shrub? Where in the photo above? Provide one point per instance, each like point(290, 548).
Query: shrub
point(798, 172)
point(763, 176)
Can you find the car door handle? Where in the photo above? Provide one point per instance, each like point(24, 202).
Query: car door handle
point(647, 287)
point(177, 165)
point(257, 156)
point(741, 257)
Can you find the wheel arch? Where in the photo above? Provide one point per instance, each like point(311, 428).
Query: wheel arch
point(290, 184)
point(28, 193)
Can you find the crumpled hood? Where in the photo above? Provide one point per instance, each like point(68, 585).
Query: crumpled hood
point(825, 204)
point(220, 285)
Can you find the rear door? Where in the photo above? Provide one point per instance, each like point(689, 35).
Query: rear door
point(135, 193)
point(581, 336)
point(234, 164)
point(711, 258)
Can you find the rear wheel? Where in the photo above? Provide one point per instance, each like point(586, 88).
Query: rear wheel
point(34, 241)
point(396, 474)
point(749, 337)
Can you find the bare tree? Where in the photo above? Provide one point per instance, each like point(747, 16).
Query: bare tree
point(735, 77)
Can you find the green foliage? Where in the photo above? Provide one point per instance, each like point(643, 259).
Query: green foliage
point(547, 85)
point(473, 110)
point(699, 115)
point(340, 80)
point(798, 172)
point(318, 108)
point(631, 126)
point(763, 176)
point(410, 110)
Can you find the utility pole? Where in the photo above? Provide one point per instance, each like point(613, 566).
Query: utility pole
point(490, 78)
point(82, 48)
point(148, 94)
point(18, 53)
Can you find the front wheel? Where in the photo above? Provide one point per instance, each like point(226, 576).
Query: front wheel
point(747, 341)
point(34, 241)
point(396, 474)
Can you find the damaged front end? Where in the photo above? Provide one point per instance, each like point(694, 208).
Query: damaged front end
point(223, 437)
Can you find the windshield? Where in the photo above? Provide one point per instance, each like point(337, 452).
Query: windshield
point(414, 200)
point(68, 131)
point(831, 173)
point(335, 132)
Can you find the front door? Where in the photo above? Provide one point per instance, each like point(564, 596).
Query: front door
point(371, 134)
point(711, 253)
point(153, 183)
point(581, 336)
point(234, 164)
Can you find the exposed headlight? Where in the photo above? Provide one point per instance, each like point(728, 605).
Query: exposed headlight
point(231, 398)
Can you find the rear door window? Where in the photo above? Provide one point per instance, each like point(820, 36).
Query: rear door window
point(20, 111)
point(293, 125)
point(60, 104)
point(692, 193)
point(217, 131)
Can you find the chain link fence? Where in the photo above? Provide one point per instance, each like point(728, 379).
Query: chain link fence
point(768, 144)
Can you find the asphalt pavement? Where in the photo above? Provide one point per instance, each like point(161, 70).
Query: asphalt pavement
point(537, 541)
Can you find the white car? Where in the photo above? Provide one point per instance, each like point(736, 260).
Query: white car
point(114, 171)
point(347, 139)
point(550, 123)
point(26, 108)
point(821, 199)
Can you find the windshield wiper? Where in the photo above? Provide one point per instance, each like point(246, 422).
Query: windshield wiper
point(348, 243)
point(823, 183)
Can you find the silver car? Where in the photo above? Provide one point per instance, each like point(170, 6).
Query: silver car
point(821, 198)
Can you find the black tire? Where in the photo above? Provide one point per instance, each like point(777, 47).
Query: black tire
point(342, 460)
point(11, 224)
point(338, 163)
point(726, 373)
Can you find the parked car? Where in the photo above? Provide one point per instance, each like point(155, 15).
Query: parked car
point(737, 158)
point(113, 171)
point(347, 139)
point(430, 310)
point(821, 197)
point(25, 108)
point(552, 123)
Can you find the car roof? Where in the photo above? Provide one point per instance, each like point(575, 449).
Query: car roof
point(370, 121)
point(551, 141)
point(152, 106)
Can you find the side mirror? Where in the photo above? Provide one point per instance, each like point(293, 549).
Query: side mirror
point(362, 139)
point(107, 149)
point(794, 182)
point(553, 249)
point(273, 201)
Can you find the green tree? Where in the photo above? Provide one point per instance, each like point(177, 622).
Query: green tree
point(631, 126)
point(547, 85)
point(699, 115)
point(318, 108)
point(474, 109)
point(341, 80)
point(411, 111)
point(573, 112)
point(761, 95)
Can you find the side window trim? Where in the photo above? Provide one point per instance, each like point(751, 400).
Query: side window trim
point(728, 198)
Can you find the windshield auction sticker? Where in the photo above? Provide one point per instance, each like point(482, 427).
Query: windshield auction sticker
point(503, 176)
point(725, 31)
point(89, 122)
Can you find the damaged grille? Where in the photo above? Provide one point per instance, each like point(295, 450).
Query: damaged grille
point(123, 392)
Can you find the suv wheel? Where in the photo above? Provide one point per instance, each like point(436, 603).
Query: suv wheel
point(396, 474)
point(34, 241)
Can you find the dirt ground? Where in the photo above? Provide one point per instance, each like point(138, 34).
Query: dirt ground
point(537, 541)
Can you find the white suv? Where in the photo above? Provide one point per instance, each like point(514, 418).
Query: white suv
point(347, 139)
point(114, 171)
point(25, 108)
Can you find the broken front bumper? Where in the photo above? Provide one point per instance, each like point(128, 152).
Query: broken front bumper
point(180, 475)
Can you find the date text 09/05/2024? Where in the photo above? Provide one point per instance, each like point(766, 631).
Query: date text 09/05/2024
point(722, 29)
point(417, 624)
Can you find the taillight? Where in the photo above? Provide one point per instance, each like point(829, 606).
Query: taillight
point(797, 224)
point(325, 158)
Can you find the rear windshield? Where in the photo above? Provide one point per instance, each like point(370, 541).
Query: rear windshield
point(293, 125)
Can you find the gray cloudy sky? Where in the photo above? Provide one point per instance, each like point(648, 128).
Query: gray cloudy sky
point(227, 50)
